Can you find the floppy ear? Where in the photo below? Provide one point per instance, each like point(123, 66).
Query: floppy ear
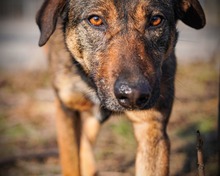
point(191, 13)
point(47, 18)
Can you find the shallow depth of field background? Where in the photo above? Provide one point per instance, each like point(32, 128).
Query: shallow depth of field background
point(27, 115)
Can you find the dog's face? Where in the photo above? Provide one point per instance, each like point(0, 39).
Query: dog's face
point(121, 45)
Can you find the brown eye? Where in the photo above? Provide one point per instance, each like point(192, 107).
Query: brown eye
point(95, 21)
point(156, 20)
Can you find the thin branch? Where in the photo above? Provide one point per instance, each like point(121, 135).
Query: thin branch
point(201, 165)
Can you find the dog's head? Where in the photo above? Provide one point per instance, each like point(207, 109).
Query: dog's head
point(121, 45)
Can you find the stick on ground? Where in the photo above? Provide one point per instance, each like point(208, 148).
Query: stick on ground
point(201, 165)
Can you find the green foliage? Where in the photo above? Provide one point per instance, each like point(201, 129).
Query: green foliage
point(207, 125)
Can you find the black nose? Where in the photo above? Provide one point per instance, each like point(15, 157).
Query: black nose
point(132, 95)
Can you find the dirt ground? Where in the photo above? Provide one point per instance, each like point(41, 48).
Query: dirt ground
point(28, 135)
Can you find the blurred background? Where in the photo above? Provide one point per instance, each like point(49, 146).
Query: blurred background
point(27, 124)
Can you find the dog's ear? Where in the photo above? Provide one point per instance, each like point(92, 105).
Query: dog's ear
point(191, 13)
point(47, 18)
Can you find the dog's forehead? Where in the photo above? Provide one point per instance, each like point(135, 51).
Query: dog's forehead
point(133, 3)
point(121, 6)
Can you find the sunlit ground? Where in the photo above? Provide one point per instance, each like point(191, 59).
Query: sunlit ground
point(28, 136)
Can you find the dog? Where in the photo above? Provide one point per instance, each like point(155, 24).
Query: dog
point(108, 57)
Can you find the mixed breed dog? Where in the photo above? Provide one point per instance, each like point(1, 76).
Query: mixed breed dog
point(108, 57)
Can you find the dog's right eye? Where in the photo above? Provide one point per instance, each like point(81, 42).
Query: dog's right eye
point(95, 21)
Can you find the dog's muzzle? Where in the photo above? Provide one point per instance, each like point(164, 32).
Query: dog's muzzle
point(132, 94)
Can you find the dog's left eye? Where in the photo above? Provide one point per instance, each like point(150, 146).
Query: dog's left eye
point(156, 20)
point(95, 20)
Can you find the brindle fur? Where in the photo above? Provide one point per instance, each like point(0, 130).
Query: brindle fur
point(86, 62)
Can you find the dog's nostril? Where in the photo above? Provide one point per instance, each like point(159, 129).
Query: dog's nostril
point(124, 101)
point(142, 100)
point(123, 98)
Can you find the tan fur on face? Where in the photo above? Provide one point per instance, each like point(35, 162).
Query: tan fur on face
point(139, 15)
point(75, 49)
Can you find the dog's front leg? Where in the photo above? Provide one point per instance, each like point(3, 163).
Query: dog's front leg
point(68, 132)
point(90, 129)
point(77, 133)
point(153, 144)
